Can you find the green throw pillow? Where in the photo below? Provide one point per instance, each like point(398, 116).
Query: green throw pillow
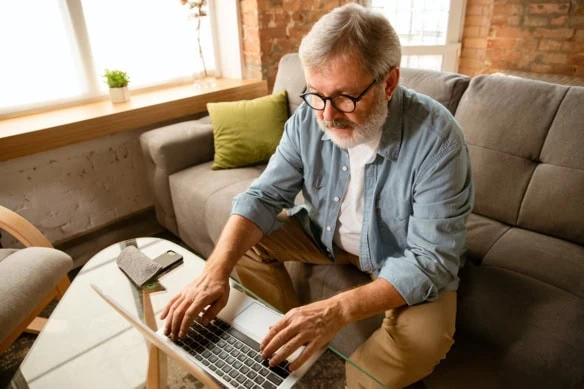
point(247, 132)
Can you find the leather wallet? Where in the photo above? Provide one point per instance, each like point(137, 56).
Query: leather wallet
point(137, 266)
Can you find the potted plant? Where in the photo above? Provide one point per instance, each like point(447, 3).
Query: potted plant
point(117, 81)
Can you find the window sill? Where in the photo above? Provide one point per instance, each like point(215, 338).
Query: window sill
point(31, 134)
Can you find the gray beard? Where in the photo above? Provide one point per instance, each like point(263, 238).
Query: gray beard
point(360, 134)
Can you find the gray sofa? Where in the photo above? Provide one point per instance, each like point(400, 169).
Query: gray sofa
point(520, 320)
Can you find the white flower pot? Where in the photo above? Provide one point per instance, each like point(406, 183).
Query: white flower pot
point(119, 95)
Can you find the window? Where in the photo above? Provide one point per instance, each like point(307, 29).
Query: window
point(58, 49)
point(429, 31)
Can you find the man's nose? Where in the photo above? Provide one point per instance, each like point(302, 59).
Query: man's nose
point(330, 112)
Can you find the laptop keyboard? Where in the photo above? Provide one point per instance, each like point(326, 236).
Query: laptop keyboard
point(232, 355)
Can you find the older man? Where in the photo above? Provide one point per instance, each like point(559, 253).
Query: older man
point(386, 180)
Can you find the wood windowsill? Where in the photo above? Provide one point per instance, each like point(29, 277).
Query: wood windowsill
point(31, 134)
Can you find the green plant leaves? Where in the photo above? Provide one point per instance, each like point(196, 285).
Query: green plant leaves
point(116, 78)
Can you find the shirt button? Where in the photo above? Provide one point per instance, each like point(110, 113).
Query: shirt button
point(344, 168)
point(328, 228)
point(336, 199)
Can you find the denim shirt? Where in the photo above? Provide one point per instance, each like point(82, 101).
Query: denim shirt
point(418, 194)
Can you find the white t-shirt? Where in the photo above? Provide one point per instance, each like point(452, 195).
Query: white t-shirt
point(348, 230)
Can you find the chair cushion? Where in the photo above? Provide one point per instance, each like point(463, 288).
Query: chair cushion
point(6, 252)
point(26, 277)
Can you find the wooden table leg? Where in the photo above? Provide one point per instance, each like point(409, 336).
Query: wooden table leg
point(157, 368)
point(157, 376)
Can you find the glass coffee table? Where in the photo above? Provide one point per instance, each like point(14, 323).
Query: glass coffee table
point(87, 344)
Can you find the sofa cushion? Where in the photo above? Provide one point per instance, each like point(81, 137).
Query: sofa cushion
point(564, 143)
point(470, 360)
point(509, 115)
point(505, 122)
point(535, 328)
point(554, 202)
point(500, 181)
point(446, 88)
point(541, 257)
point(218, 208)
point(481, 235)
point(247, 132)
point(191, 189)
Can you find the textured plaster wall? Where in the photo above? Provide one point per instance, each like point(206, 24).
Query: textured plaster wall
point(78, 188)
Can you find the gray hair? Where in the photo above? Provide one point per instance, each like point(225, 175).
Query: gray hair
point(352, 31)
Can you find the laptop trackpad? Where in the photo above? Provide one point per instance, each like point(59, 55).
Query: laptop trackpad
point(255, 321)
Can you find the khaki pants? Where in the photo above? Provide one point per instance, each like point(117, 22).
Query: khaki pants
point(408, 345)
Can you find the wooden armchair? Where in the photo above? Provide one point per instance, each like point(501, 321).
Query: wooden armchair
point(30, 278)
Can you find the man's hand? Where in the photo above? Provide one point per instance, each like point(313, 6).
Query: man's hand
point(209, 290)
point(312, 325)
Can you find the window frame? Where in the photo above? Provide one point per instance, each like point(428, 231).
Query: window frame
point(450, 51)
point(226, 45)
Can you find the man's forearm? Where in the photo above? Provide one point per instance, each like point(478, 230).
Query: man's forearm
point(238, 236)
point(368, 300)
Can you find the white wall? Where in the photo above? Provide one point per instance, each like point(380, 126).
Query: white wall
point(78, 188)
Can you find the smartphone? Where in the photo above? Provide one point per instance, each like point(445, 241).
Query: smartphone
point(168, 260)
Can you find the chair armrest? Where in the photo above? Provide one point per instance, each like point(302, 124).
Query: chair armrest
point(22, 229)
point(170, 149)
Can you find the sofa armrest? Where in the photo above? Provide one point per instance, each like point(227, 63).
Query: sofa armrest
point(170, 149)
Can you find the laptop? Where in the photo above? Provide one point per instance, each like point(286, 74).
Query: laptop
point(225, 353)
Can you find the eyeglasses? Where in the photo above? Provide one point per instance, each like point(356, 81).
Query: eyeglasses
point(341, 102)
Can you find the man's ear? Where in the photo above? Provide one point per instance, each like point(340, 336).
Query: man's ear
point(391, 82)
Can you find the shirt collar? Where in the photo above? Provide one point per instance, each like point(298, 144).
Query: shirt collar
point(391, 138)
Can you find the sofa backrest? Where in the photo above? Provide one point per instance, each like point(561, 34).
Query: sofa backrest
point(526, 140)
point(290, 77)
point(445, 88)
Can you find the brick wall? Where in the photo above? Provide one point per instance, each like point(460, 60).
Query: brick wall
point(539, 36)
point(474, 36)
point(272, 28)
point(542, 36)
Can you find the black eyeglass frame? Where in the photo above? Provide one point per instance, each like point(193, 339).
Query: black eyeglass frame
point(305, 96)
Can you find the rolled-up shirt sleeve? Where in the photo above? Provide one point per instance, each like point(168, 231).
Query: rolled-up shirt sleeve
point(278, 185)
point(442, 200)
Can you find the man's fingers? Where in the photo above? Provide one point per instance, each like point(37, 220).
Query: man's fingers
point(178, 316)
point(287, 349)
point(189, 317)
point(271, 345)
point(275, 329)
point(167, 307)
point(308, 351)
point(187, 320)
point(170, 314)
point(212, 311)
